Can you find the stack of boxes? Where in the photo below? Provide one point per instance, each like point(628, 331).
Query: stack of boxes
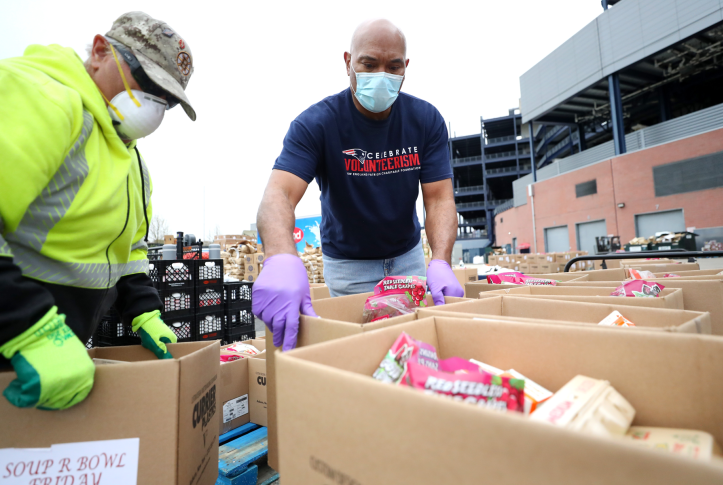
point(314, 263)
point(191, 292)
point(253, 264)
point(243, 262)
point(540, 263)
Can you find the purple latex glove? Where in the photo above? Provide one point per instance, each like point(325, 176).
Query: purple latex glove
point(279, 294)
point(442, 281)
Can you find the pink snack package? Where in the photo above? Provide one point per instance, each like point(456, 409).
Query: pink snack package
point(457, 365)
point(394, 296)
point(671, 275)
point(518, 279)
point(231, 358)
point(394, 365)
point(479, 388)
point(641, 274)
point(638, 288)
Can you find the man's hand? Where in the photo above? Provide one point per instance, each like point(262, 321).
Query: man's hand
point(442, 281)
point(53, 367)
point(154, 333)
point(279, 294)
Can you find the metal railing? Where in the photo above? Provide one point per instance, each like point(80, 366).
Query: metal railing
point(672, 253)
point(506, 206)
point(492, 171)
point(472, 235)
point(472, 188)
point(494, 156)
point(460, 161)
point(500, 139)
point(493, 202)
point(477, 220)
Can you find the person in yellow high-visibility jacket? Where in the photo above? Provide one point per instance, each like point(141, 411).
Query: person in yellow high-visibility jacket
point(75, 201)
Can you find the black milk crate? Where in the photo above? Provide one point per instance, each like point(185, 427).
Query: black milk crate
point(237, 294)
point(239, 334)
point(209, 298)
point(112, 332)
point(239, 317)
point(172, 273)
point(209, 326)
point(177, 301)
point(208, 272)
point(182, 327)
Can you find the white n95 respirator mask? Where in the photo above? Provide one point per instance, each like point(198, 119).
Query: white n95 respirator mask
point(136, 114)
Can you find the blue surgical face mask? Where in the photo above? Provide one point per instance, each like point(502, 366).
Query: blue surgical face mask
point(377, 91)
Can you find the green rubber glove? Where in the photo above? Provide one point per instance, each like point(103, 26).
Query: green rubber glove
point(154, 333)
point(53, 367)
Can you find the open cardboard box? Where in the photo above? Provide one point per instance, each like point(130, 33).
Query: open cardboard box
point(662, 268)
point(472, 290)
point(545, 311)
point(700, 295)
point(170, 405)
point(319, 291)
point(465, 275)
point(700, 272)
point(242, 389)
point(671, 298)
point(339, 317)
point(353, 429)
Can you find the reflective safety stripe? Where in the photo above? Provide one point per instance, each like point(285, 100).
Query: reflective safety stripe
point(139, 245)
point(82, 275)
point(51, 205)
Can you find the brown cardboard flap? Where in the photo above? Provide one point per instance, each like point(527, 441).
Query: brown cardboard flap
point(702, 272)
point(660, 268)
point(315, 427)
point(257, 390)
point(544, 310)
point(233, 385)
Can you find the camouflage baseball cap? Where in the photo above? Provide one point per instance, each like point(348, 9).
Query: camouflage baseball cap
point(163, 54)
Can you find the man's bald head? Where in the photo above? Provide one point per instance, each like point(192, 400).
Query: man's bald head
point(378, 33)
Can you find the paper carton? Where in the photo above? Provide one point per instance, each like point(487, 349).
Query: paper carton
point(660, 268)
point(574, 312)
point(361, 431)
point(670, 298)
point(339, 317)
point(169, 405)
point(257, 390)
point(235, 380)
point(492, 260)
point(465, 275)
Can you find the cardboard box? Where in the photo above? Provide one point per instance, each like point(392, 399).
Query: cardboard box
point(551, 257)
point(524, 268)
point(670, 298)
point(352, 426)
point(235, 381)
point(257, 390)
point(251, 269)
point(472, 290)
point(663, 268)
point(169, 240)
point(169, 405)
point(701, 272)
point(535, 268)
point(698, 295)
point(492, 260)
point(319, 291)
point(258, 257)
point(465, 275)
point(339, 317)
point(547, 311)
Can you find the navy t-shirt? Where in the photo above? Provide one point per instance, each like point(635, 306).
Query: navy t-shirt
point(368, 171)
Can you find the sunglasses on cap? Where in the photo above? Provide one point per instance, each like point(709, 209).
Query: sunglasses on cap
point(141, 77)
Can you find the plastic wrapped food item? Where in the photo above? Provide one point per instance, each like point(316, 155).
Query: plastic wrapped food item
point(394, 296)
point(589, 405)
point(519, 279)
point(615, 319)
point(535, 394)
point(405, 349)
point(641, 274)
point(457, 365)
point(638, 289)
point(478, 388)
point(685, 442)
point(241, 348)
point(230, 358)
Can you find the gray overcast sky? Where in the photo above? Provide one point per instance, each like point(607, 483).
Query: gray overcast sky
point(259, 64)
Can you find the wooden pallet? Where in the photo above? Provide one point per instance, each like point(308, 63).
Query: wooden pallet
point(242, 457)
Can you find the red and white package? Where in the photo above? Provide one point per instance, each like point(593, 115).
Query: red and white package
point(479, 388)
point(638, 289)
point(394, 296)
point(641, 274)
point(518, 279)
point(671, 275)
point(457, 365)
point(393, 367)
point(615, 319)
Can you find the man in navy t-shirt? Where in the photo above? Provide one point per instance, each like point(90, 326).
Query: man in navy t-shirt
point(369, 147)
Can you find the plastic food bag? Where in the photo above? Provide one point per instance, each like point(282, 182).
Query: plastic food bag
point(671, 275)
point(638, 289)
point(479, 388)
point(394, 296)
point(405, 349)
point(641, 274)
point(519, 279)
point(615, 319)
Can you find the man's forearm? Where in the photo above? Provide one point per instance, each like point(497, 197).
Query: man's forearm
point(441, 228)
point(275, 221)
